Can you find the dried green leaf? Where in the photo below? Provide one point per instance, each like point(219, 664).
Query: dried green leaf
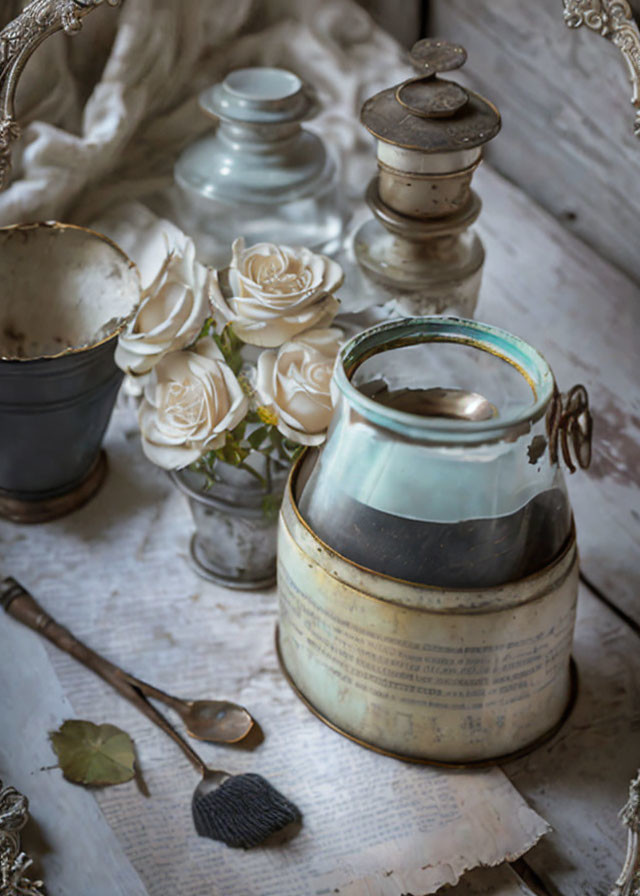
point(94, 755)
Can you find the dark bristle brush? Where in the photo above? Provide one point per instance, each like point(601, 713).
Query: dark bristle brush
point(239, 810)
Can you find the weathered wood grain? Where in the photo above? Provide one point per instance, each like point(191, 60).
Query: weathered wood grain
point(501, 881)
point(580, 780)
point(584, 315)
point(567, 134)
point(406, 27)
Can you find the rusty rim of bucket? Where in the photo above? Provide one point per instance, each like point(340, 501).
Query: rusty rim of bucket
point(43, 510)
point(122, 322)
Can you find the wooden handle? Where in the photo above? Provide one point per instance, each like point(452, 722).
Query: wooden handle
point(18, 603)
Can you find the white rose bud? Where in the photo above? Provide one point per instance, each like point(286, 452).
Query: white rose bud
point(171, 314)
point(295, 384)
point(271, 293)
point(191, 401)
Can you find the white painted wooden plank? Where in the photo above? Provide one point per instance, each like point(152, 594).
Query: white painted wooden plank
point(74, 850)
point(579, 781)
point(544, 284)
point(567, 134)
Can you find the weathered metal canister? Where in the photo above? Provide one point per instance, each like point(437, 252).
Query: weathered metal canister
point(66, 294)
point(427, 569)
point(235, 541)
point(420, 248)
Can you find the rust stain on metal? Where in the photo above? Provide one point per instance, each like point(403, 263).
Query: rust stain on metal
point(536, 449)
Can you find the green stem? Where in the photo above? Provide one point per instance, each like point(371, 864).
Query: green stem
point(269, 483)
point(249, 469)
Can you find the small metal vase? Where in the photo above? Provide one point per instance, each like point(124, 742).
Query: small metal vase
point(235, 542)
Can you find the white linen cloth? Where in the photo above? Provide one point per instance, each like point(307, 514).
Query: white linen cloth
point(107, 111)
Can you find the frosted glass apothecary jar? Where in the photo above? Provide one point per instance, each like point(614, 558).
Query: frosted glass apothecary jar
point(260, 174)
point(427, 559)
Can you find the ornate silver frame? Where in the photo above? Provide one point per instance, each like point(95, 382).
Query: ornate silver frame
point(14, 814)
point(628, 884)
point(18, 40)
point(614, 20)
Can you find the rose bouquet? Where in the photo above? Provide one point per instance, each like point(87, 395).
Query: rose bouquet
point(234, 365)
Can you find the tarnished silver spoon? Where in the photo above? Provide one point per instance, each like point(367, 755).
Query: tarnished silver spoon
point(457, 404)
point(218, 721)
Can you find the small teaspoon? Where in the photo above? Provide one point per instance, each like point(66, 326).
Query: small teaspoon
point(217, 721)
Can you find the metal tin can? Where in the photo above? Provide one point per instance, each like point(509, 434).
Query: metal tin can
point(427, 556)
point(439, 675)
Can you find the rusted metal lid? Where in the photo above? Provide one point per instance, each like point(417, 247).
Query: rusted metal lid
point(428, 113)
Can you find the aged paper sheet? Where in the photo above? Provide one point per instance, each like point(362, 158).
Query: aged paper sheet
point(74, 849)
point(116, 573)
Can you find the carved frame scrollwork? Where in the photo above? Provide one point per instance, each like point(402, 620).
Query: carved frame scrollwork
point(614, 20)
point(18, 40)
point(628, 884)
point(14, 814)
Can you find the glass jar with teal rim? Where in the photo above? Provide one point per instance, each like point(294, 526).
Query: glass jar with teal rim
point(441, 464)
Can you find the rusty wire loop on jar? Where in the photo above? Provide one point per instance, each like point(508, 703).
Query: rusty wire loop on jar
point(569, 422)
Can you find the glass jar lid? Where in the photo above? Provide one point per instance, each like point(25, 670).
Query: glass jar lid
point(261, 95)
point(259, 154)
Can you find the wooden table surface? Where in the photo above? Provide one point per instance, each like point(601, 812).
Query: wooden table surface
point(584, 315)
point(543, 284)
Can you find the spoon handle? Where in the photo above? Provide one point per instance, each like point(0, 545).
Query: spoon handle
point(18, 603)
point(23, 606)
point(150, 691)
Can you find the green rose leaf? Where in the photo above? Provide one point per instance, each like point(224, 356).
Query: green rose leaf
point(94, 755)
point(257, 437)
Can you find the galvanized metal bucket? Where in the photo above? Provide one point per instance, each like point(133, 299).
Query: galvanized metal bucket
point(67, 293)
point(445, 676)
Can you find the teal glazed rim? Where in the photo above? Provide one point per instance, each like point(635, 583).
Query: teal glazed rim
point(417, 330)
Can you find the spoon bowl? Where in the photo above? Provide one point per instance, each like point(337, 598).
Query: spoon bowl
point(217, 720)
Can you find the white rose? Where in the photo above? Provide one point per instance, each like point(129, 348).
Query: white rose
point(171, 314)
point(295, 384)
point(271, 293)
point(191, 401)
